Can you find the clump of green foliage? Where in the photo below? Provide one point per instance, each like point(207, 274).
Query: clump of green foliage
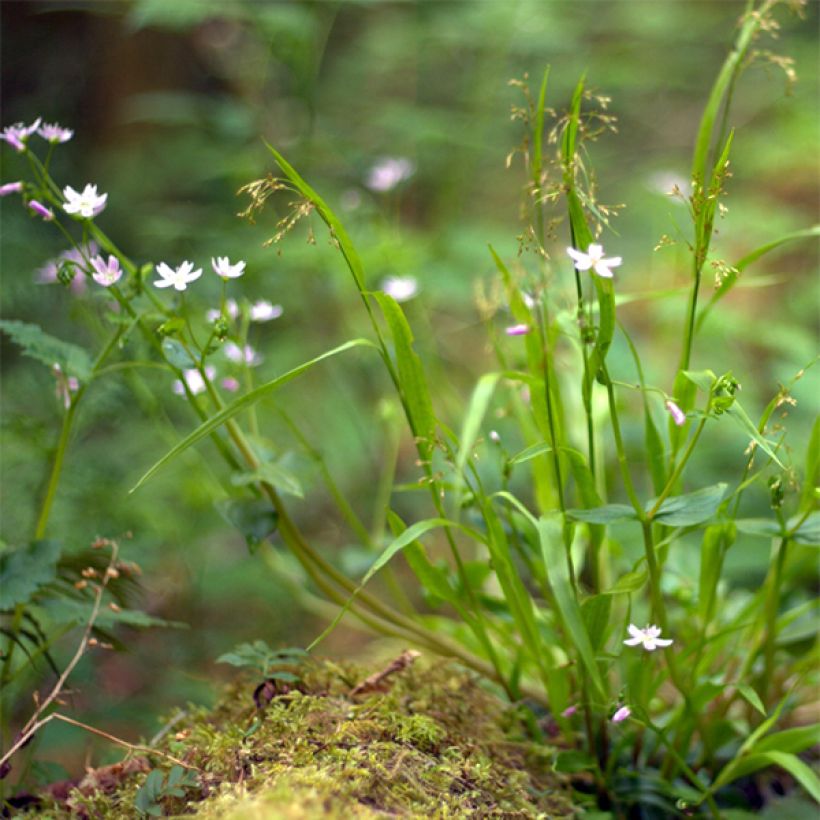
point(434, 744)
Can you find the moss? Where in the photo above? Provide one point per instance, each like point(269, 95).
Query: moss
point(434, 744)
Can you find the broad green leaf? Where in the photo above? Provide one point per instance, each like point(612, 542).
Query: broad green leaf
point(25, 569)
point(588, 493)
point(242, 403)
point(37, 344)
point(716, 540)
point(476, 410)
point(704, 379)
point(809, 531)
point(811, 478)
point(607, 514)
point(794, 740)
point(764, 527)
point(596, 611)
point(253, 517)
point(272, 474)
point(555, 562)
point(690, 509)
point(412, 381)
point(176, 355)
point(757, 761)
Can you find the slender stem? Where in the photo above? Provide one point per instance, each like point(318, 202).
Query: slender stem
point(772, 607)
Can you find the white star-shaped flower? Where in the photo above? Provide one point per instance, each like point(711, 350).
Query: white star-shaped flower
point(87, 204)
point(650, 638)
point(264, 311)
point(222, 267)
point(179, 278)
point(594, 258)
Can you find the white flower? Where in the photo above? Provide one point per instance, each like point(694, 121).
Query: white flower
point(263, 311)
point(401, 288)
point(193, 378)
point(55, 133)
point(222, 267)
point(87, 204)
point(106, 273)
point(242, 355)
point(179, 278)
point(388, 172)
point(650, 638)
point(17, 134)
point(594, 258)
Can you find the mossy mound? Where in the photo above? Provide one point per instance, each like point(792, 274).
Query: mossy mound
point(435, 743)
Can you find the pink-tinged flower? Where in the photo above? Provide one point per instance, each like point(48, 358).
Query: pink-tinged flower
point(569, 711)
point(594, 258)
point(231, 309)
point(649, 638)
point(66, 385)
point(41, 210)
point(264, 311)
point(87, 204)
point(621, 715)
point(78, 257)
point(242, 355)
point(388, 172)
point(16, 135)
point(54, 133)
point(230, 384)
point(106, 273)
point(401, 288)
point(11, 188)
point(194, 381)
point(678, 416)
point(222, 267)
point(179, 278)
point(518, 330)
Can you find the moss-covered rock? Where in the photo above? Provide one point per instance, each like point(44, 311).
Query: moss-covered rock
point(434, 743)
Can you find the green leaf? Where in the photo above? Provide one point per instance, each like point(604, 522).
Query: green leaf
point(716, 541)
point(809, 531)
point(751, 697)
point(533, 451)
point(176, 355)
point(242, 403)
point(704, 379)
point(25, 569)
point(412, 381)
point(607, 514)
point(735, 270)
point(272, 474)
point(739, 415)
point(791, 763)
point(763, 527)
point(794, 740)
point(253, 517)
point(476, 410)
point(555, 563)
point(596, 611)
point(46, 349)
point(811, 478)
point(349, 252)
point(631, 582)
point(692, 508)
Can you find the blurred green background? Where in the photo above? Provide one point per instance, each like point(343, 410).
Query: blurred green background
point(170, 101)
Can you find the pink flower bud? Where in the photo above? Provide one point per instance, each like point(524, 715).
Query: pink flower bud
point(518, 330)
point(41, 210)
